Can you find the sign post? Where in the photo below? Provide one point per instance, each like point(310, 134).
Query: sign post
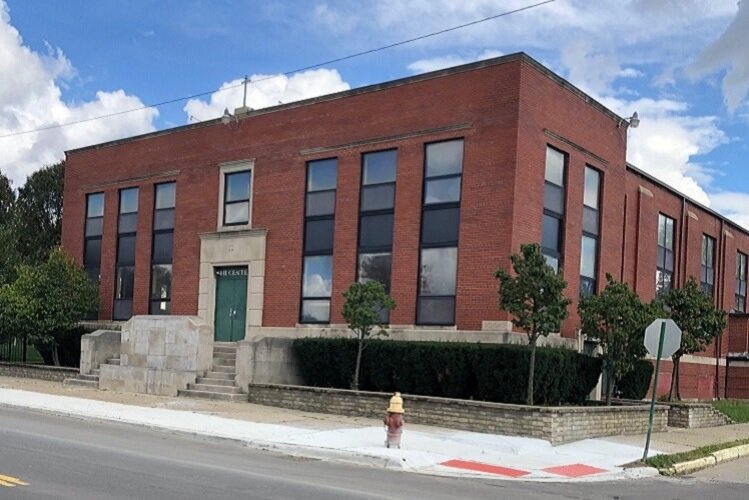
point(666, 335)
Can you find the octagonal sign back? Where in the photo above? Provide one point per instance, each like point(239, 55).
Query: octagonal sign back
point(671, 337)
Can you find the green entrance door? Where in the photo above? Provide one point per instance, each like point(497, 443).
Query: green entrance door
point(231, 303)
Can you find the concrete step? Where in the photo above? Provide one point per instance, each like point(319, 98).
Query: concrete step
point(113, 361)
point(221, 396)
point(227, 351)
point(78, 382)
point(223, 375)
point(226, 389)
point(224, 362)
point(224, 355)
point(225, 369)
point(86, 376)
point(215, 381)
point(96, 372)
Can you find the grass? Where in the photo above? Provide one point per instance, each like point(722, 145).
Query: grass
point(665, 461)
point(736, 409)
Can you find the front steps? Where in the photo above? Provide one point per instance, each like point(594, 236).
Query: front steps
point(91, 380)
point(218, 384)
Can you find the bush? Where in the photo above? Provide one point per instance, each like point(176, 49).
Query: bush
point(635, 384)
point(68, 348)
point(493, 372)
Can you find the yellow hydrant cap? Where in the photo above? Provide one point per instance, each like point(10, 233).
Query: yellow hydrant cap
point(396, 403)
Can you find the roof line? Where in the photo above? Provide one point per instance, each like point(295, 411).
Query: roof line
point(495, 61)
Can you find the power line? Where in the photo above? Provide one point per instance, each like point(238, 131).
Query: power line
point(286, 73)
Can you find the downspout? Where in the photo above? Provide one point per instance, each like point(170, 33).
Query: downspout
point(721, 300)
point(680, 278)
point(624, 240)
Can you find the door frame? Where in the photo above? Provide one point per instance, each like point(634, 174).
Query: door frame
point(217, 280)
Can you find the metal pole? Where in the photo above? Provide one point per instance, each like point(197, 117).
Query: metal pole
point(244, 99)
point(655, 387)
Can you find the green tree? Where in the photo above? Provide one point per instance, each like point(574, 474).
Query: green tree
point(535, 297)
point(8, 247)
point(700, 322)
point(37, 219)
point(617, 319)
point(46, 301)
point(363, 311)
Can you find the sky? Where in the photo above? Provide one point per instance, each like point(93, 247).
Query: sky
point(682, 65)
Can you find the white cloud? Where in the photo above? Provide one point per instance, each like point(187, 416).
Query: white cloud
point(733, 205)
point(267, 90)
point(729, 52)
point(435, 63)
point(31, 98)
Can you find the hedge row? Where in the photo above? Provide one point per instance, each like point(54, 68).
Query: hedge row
point(636, 383)
point(486, 372)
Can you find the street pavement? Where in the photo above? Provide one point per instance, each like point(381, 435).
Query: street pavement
point(61, 457)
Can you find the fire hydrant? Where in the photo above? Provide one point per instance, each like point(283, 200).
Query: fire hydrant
point(394, 421)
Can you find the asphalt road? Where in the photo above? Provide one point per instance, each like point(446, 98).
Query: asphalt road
point(60, 457)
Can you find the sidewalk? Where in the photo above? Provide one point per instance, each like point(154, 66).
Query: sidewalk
point(426, 449)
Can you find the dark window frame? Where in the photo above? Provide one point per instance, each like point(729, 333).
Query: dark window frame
point(425, 208)
point(741, 281)
point(87, 237)
point(661, 265)
point(316, 253)
point(151, 299)
point(121, 235)
point(248, 200)
point(592, 282)
point(707, 269)
point(557, 253)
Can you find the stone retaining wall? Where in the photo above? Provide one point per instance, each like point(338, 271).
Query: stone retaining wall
point(693, 415)
point(555, 424)
point(42, 372)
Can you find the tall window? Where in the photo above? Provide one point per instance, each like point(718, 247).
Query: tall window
point(553, 221)
point(93, 231)
point(740, 298)
point(591, 224)
point(125, 267)
point(162, 249)
point(443, 170)
point(237, 198)
point(319, 213)
point(664, 266)
point(376, 217)
point(707, 269)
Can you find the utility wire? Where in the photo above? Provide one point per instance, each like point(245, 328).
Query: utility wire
point(286, 73)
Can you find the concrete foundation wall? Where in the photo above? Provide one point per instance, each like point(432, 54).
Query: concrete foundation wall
point(267, 360)
point(160, 355)
point(555, 424)
point(41, 372)
point(97, 348)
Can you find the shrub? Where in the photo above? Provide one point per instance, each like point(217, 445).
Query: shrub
point(635, 384)
point(460, 370)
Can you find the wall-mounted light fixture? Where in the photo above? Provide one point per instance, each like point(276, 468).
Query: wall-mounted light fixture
point(632, 122)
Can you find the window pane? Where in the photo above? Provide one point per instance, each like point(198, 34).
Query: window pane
point(129, 200)
point(587, 286)
point(322, 203)
point(376, 231)
point(592, 183)
point(126, 250)
point(162, 247)
point(438, 271)
point(554, 166)
point(124, 279)
point(740, 301)
point(436, 311)
point(662, 282)
point(161, 281)
point(92, 252)
point(550, 233)
point(552, 261)
point(440, 226)
point(237, 186)
point(163, 219)
point(318, 275)
point(237, 213)
point(444, 158)
point(442, 190)
point(380, 197)
point(123, 309)
point(375, 266)
point(322, 175)
point(95, 205)
point(669, 264)
point(669, 233)
point(315, 311)
point(318, 236)
point(379, 167)
point(588, 257)
point(165, 195)
point(93, 226)
point(128, 223)
point(553, 198)
point(158, 307)
point(590, 220)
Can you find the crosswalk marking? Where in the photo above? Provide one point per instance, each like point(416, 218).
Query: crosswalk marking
point(11, 482)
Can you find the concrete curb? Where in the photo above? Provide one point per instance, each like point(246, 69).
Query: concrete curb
point(715, 458)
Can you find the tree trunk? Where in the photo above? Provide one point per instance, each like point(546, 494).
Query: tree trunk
point(355, 383)
point(55, 355)
point(676, 379)
point(609, 384)
point(531, 369)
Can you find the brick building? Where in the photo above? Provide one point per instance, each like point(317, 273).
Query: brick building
point(427, 183)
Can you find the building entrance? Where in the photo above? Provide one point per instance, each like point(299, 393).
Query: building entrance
point(231, 303)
